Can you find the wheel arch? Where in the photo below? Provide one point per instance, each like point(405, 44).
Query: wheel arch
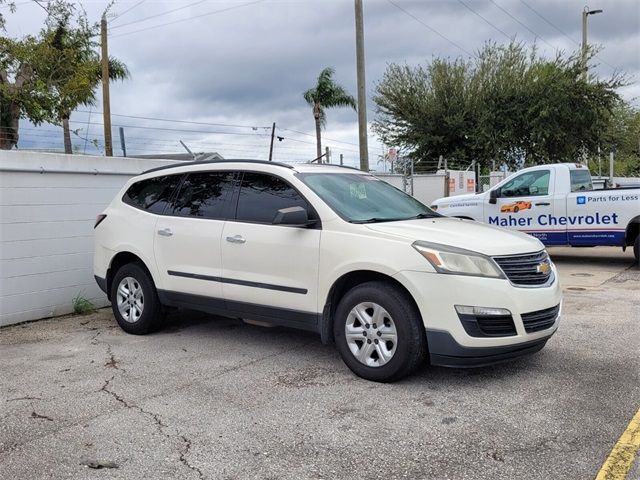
point(119, 260)
point(632, 231)
point(341, 286)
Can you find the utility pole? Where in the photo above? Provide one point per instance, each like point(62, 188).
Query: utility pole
point(273, 134)
point(106, 105)
point(362, 92)
point(327, 154)
point(585, 47)
point(123, 145)
point(341, 159)
point(611, 154)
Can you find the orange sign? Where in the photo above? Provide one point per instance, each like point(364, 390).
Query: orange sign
point(471, 185)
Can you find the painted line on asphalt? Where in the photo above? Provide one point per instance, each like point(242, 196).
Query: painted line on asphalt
point(620, 460)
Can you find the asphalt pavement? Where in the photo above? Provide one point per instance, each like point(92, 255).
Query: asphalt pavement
point(213, 398)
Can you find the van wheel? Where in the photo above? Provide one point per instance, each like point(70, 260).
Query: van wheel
point(379, 332)
point(134, 300)
point(636, 249)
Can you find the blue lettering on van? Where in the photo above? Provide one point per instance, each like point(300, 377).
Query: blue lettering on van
point(548, 220)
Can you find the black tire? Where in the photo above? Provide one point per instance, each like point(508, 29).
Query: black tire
point(636, 249)
point(411, 347)
point(152, 314)
point(516, 209)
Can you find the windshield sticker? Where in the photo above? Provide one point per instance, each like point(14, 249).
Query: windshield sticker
point(358, 190)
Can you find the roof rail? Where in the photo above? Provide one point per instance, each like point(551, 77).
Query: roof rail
point(331, 165)
point(213, 162)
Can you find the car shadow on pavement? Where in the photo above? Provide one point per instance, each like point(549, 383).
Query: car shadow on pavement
point(254, 338)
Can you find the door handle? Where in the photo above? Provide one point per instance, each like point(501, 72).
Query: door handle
point(542, 204)
point(165, 232)
point(236, 239)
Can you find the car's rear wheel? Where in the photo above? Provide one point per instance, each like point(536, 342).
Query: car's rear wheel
point(134, 300)
point(379, 332)
point(636, 248)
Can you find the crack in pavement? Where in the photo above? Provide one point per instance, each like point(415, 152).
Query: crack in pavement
point(183, 457)
point(121, 400)
point(160, 425)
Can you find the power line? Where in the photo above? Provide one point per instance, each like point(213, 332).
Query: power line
point(310, 135)
point(179, 121)
point(525, 26)
point(483, 18)
point(562, 32)
point(129, 9)
point(174, 129)
point(548, 21)
point(431, 28)
point(189, 18)
point(166, 12)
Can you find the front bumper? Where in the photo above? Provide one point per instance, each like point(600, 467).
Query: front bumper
point(449, 343)
point(444, 351)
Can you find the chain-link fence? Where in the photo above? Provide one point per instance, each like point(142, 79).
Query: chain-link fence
point(485, 182)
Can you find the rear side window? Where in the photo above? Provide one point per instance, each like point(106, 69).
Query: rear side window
point(153, 194)
point(262, 195)
point(580, 180)
point(205, 195)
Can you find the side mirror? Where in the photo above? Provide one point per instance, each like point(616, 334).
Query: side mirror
point(293, 217)
point(493, 196)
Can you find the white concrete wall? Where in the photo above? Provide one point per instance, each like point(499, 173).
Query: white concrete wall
point(48, 205)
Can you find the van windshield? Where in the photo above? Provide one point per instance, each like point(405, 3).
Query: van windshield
point(361, 198)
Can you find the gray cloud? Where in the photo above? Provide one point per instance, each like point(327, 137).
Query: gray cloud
point(250, 65)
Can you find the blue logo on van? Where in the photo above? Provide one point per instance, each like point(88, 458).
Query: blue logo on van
point(581, 200)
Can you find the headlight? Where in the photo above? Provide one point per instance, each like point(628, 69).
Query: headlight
point(458, 261)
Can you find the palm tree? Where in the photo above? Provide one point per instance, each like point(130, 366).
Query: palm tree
point(77, 73)
point(85, 94)
point(326, 94)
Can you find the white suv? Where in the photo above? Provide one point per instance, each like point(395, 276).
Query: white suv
point(327, 249)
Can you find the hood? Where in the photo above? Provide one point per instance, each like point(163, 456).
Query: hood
point(458, 198)
point(456, 232)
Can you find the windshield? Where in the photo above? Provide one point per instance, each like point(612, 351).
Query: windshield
point(361, 198)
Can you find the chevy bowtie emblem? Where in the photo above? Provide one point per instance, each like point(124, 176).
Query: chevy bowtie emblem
point(543, 267)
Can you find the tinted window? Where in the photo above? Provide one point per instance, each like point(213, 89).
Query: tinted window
point(580, 180)
point(153, 194)
point(527, 184)
point(261, 196)
point(204, 195)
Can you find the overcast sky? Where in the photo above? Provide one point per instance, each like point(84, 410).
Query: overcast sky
point(246, 63)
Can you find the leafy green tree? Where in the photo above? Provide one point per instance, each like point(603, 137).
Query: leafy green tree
point(44, 78)
point(623, 137)
point(326, 94)
point(508, 104)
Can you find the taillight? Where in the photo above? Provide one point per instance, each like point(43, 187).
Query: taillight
point(99, 219)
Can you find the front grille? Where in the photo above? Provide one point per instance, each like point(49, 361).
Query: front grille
point(488, 325)
point(496, 326)
point(540, 320)
point(525, 269)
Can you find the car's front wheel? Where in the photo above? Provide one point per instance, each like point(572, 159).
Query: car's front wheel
point(379, 332)
point(134, 300)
